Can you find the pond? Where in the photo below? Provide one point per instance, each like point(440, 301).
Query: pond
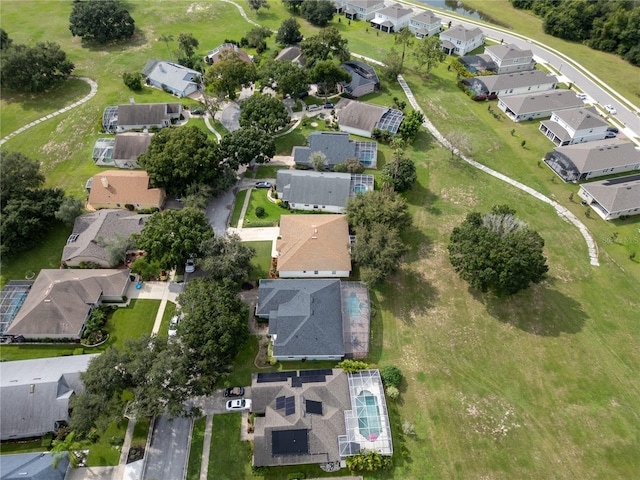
point(462, 9)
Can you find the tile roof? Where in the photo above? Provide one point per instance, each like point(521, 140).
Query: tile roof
point(616, 194)
point(129, 145)
point(601, 154)
point(124, 187)
point(551, 100)
point(313, 242)
point(314, 188)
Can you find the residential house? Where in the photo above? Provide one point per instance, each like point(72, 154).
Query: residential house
point(292, 53)
point(93, 232)
point(225, 49)
point(119, 188)
point(510, 58)
point(313, 246)
point(363, 79)
point(528, 106)
point(583, 161)
point(360, 118)
point(172, 77)
point(140, 116)
point(392, 18)
point(461, 40)
point(320, 191)
point(511, 83)
point(35, 395)
point(61, 300)
point(33, 466)
point(613, 198)
point(361, 9)
point(122, 151)
point(425, 24)
point(337, 148)
point(12, 297)
point(318, 416)
point(576, 125)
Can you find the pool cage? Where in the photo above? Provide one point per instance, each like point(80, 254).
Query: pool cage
point(103, 151)
point(12, 297)
point(360, 183)
point(356, 313)
point(367, 423)
point(367, 153)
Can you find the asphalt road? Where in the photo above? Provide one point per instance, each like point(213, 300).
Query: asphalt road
point(167, 456)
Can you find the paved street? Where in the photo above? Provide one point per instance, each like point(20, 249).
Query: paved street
point(166, 457)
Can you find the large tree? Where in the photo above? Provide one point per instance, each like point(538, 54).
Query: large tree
point(327, 74)
point(428, 54)
point(263, 112)
point(229, 74)
point(213, 329)
point(410, 126)
point(293, 5)
point(256, 5)
point(33, 69)
point(497, 252)
point(289, 32)
point(257, 38)
point(318, 12)
point(187, 45)
point(100, 21)
point(393, 65)
point(401, 173)
point(378, 206)
point(17, 174)
point(179, 157)
point(227, 257)
point(377, 250)
point(404, 37)
point(172, 236)
point(248, 144)
point(327, 44)
point(285, 76)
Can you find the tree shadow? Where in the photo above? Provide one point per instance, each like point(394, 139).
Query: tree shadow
point(540, 310)
point(418, 294)
point(138, 39)
point(421, 196)
point(376, 329)
point(418, 244)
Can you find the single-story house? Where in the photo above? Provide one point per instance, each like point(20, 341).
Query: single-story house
point(12, 297)
point(425, 24)
point(360, 118)
point(292, 53)
point(140, 116)
point(93, 232)
point(318, 416)
point(511, 83)
point(361, 9)
point(119, 188)
point(172, 77)
point(314, 246)
point(584, 161)
point(61, 300)
point(122, 151)
point(392, 18)
point(510, 58)
point(219, 52)
point(337, 148)
point(461, 40)
point(35, 394)
point(613, 198)
point(363, 79)
point(33, 466)
point(528, 106)
point(576, 125)
point(320, 191)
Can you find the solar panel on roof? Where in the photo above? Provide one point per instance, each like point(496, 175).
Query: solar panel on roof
point(280, 402)
point(289, 442)
point(290, 405)
point(314, 407)
point(274, 377)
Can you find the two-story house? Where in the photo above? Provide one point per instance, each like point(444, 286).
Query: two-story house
point(393, 18)
point(362, 9)
point(425, 24)
point(576, 125)
point(509, 58)
point(461, 40)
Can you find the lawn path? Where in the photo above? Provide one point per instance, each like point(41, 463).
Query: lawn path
point(206, 447)
point(94, 90)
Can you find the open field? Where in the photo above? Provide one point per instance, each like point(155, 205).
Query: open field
point(539, 385)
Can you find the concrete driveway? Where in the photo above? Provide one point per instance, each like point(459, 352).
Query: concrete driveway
point(230, 116)
point(219, 210)
point(166, 457)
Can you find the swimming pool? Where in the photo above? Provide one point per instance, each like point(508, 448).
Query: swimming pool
point(352, 305)
point(368, 414)
point(366, 157)
point(359, 188)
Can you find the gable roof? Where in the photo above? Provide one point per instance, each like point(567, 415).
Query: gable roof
point(34, 394)
point(292, 53)
point(305, 315)
point(395, 11)
point(60, 300)
point(313, 242)
point(314, 188)
point(217, 53)
point(507, 51)
point(145, 113)
point(366, 4)
point(335, 146)
point(33, 466)
point(367, 116)
point(361, 74)
point(530, 78)
point(124, 187)
point(616, 194)
point(130, 145)
point(551, 100)
point(581, 118)
point(171, 74)
point(459, 32)
point(427, 17)
point(103, 224)
point(601, 154)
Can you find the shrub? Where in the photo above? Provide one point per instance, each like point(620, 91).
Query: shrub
point(368, 461)
point(392, 392)
point(132, 80)
point(46, 440)
point(340, 168)
point(259, 212)
point(391, 376)
point(352, 366)
point(129, 207)
point(295, 476)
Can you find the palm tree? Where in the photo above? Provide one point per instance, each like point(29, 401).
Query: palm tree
point(166, 39)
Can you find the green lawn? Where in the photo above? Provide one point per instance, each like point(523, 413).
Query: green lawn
point(195, 451)
point(272, 212)
point(229, 457)
point(140, 432)
point(268, 171)
point(169, 310)
point(262, 261)
point(132, 322)
point(106, 451)
point(237, 208)
point(7, 448)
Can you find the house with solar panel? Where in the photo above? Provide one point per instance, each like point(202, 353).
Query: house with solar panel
point(140, 116)
point(362, 119)
point(613, 198)
point(320, 191)
point(172, 77)
point(337, 148)
point(318, 417)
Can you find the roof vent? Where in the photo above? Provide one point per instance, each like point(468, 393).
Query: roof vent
point(32, 388)
point(104, 181)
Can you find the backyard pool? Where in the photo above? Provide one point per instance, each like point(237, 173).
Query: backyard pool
point(359, 188)
point(368, 414)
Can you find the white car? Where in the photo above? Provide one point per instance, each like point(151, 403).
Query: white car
point(582, 96)
point(238, 405)
point(190, 266)
point(610, 109)
point(173, 325)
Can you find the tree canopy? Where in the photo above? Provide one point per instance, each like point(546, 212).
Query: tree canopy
point(264, 113)
point(378, 206)
point(33, 69)
point(227, 258)
point(100, 21)
point(327, 74)
point(327, 44)
point(248, 144)
point(406, 38)
point(289, 32)
point(229, 74)
point(318, 12)
point(258, 4)
point(172, 236)
point(18, 173)
point(377, 250)
point(284, 76)
point(497, 252)
point(428, 53)
point(401, 174)
point(177, 158)
point(410, 126)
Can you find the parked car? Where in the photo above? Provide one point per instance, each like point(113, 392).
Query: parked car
point(610, 109)
point(263, 185)
point(582, 96)
point(238, 405)
point(328, 106)
point(234, 392)
point(313, 107)
point(196, 111)
point(190, 266)
point(610, 134)
point(173, 325)
point(613, 129)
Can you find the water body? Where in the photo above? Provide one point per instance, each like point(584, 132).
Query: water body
point(462, 9)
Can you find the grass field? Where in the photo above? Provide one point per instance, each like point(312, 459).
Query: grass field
point(237, 208)
point(262, 261)
point(228, 458)
point(195, 450)
point(169, 310)
point(272, 212)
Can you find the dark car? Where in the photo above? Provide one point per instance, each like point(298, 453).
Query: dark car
point(613, 129)
point(263, 185)
point(196, 111)
point(328, 106)
point(234, 392)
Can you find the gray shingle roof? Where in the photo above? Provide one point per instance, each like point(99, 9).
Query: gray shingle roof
point(427, 17)
point(494, 83)
point(550, 100)
point(458, 32)
point(361, 74)
point(314, 188)
point(128, 146)
point(306, 316)
point(364, 3)
point(143, 114)
point(336, 147)
point(609, 153)
point(360, 115)
point(33, 466)
point(34, 394)
point(581, 118)
point(508, 51)
point(395, 11)
point(171, 74)
point(616, 194)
